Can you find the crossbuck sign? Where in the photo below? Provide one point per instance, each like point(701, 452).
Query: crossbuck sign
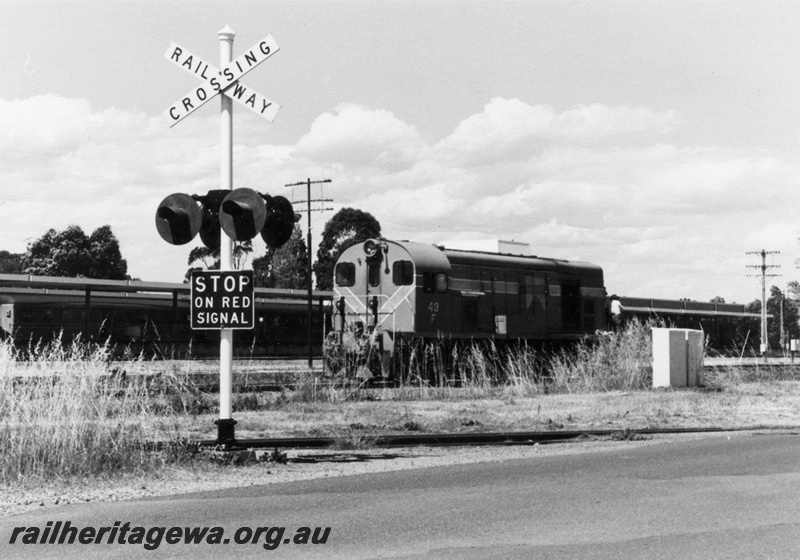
point(225, 81)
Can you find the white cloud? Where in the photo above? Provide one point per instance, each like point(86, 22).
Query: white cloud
point(49, 124)
point(663, 219)
point(510, 129)
point(599, 121)
point(44, 123)
point(358, 136)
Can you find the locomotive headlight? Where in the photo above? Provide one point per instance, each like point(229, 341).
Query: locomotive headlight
point(371, 247)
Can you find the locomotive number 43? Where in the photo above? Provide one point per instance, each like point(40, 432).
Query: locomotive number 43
point(433, 307)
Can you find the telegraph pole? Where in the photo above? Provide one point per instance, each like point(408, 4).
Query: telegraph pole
point(308, 201)
point(764, 266)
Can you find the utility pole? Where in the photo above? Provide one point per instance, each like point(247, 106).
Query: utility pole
point(764, 276)
point(308, 201)
point(783, 334)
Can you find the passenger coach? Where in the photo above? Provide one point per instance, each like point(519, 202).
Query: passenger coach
point(151, 317)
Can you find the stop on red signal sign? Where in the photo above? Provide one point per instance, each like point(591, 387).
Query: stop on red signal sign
point(222, 300)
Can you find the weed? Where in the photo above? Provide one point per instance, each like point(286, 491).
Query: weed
point(613, 361)
point(353, 439)
point(629, 435)
point(277, 456)
point(246, 401)
point(412, 426)
point(65, 411)
point(443, 368)
point(553, 425)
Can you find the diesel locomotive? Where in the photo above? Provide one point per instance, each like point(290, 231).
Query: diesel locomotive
point(388, 294)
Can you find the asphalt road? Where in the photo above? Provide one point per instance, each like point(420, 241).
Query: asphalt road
point(716, 497)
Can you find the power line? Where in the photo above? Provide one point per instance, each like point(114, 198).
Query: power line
point(307, 183)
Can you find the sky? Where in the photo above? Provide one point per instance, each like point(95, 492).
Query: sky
point(659, 140)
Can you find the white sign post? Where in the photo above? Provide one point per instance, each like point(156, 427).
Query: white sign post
point(225, 82)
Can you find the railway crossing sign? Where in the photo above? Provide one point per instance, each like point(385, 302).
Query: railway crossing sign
point(225, 81)
point(222, 300)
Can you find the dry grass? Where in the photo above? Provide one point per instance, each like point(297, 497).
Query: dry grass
point(69, 411)
point(616, 361)
point(66, 411)
point(749, 405)
point(607, 362)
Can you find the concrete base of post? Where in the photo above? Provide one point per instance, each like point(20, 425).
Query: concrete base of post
point(226, 432)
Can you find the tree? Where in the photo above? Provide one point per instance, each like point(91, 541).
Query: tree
point(286, 267)
point(210, 257)
point(718, 299)
point(11, 263)
point(748, 331)
point(793, 288)
point(790, 318)
point(777, 299)
point(347, 227)
point(71, 253)
point(106, 259)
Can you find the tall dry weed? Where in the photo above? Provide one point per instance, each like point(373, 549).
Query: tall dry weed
point(618, 360)
point(67, 410)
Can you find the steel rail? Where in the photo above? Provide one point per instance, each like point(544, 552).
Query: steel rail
point(474, 439)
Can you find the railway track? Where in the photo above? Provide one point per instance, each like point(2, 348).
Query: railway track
point(471, 439)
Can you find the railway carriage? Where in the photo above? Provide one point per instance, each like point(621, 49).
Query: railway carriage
point(151, 317)
point(724, 325)
point(388, 293)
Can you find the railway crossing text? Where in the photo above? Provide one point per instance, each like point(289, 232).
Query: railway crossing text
point(225, 81)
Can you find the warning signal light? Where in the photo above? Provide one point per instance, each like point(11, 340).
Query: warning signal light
point(241, 213)
point(280, 221)
point(178, 219)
